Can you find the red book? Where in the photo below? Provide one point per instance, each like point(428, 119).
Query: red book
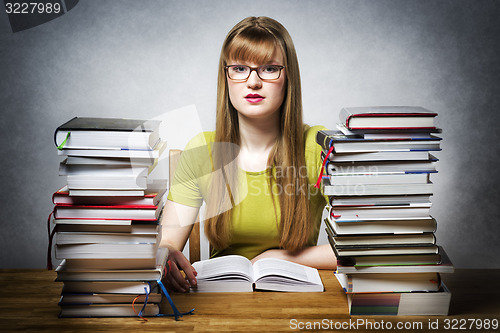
point(128, 212)
point(62, 197)
point(387, 117)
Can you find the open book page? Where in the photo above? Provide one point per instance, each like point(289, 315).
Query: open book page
point(277, 274)
point(229, 267)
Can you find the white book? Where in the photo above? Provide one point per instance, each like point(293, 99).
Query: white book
point(380, 156)
point(375, 189)
point(123, 182)
point(389, 282)
point(116, 153)
point(158, 186)
point(237, 274)
point(112, 287)
point(381, 212)
point(110, 161)
point(379, 178)
point(95, 170)
point(367, 168)
point(400, 304)
point(94, 298)
point(376, 146)
point(107, 251)
point(107, 310)
point(382, 226)
point(132, 229)
point(381, 200)
point(63, 238)
point(149, 213)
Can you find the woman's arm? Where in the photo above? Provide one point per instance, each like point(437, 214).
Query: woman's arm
point(177, 223)
point(320, 256)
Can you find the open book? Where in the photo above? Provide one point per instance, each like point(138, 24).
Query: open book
point(235, 273)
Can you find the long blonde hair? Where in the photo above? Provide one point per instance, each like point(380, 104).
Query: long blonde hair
point(256, 39)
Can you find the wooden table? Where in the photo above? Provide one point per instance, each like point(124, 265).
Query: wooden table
point(29, 302)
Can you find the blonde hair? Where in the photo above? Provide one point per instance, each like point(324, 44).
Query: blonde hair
point(256, 39)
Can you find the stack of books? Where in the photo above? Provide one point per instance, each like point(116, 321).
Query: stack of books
point(106, 217)
point(377, 169)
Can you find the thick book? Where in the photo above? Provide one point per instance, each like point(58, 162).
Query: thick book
point(82, 237)
point(144, 213)
point(387, 117)
point(110, 161)
point(109, 287)
point(153, 153)
point(374, 133)
point(104, 264)
point(375, 189)
point(398, 264)
point(347, 144)
point(384, 239)
point(400, 304)
point(107, 251)
point(381, 226)
point(67, 273)
point(107, 310)
point(370, 168)
point(95, 170)
point(107, 133)
point(388, 282)
point(93, 298)
point(237, 274)
point(82, 226)
point(414, 211)
point(379, 178)
point(379, 200)
point(149, 198)
point(387, 244)
point(413, 155)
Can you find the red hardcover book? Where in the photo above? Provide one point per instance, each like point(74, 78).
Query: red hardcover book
point(129, 212)
point(387, 117)
point(150, 198)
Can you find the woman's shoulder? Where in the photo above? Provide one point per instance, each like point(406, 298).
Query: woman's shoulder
point(310, 133)
point(201, 139)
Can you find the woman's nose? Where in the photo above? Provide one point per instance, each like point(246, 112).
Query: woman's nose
point(254, 80)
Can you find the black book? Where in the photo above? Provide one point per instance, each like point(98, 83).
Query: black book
point(107, 133)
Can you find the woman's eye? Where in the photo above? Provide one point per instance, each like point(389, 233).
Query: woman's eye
point(239, 69)
point(270, 69)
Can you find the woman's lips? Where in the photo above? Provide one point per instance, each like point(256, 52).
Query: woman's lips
point(254, 98)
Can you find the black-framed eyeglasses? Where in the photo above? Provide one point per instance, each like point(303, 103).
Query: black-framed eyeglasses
point(265, 72)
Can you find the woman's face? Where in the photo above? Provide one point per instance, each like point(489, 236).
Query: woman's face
point(257, 98)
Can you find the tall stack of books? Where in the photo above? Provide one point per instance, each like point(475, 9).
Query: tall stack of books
point(107, 217)
point(377, 169)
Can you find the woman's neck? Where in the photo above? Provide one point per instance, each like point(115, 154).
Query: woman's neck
point(258, 134)
point(258, 137)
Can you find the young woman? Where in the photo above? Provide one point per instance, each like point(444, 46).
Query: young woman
point(257, 170)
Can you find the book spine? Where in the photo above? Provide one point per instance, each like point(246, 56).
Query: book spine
point(324, 140)
point(58, 128)
point(344, 117)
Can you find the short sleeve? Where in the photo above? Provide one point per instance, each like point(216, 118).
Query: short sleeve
point(190, 179)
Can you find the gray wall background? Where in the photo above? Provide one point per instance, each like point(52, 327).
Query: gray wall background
point(144, 59)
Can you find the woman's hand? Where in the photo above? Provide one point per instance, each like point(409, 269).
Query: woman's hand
point(175, 280)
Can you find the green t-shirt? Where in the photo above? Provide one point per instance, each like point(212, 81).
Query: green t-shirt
point(254, 226)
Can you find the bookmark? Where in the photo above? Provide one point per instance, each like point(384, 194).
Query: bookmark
point(60, 147)
point(323, 166)
point(176, 313)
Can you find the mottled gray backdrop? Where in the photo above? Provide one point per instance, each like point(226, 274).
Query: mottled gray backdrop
point(144, 59)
